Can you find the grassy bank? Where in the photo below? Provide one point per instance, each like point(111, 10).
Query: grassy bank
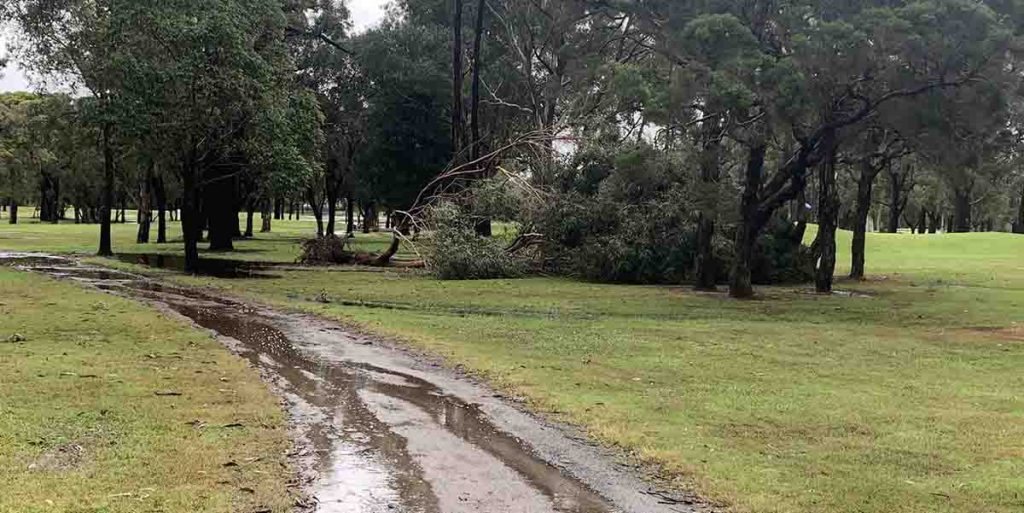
point(905, 397)
point(89, 422)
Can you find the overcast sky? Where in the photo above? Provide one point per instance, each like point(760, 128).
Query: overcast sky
point(365, 14)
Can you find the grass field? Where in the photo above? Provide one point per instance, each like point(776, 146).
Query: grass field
point(83, 429)
point(906, 397)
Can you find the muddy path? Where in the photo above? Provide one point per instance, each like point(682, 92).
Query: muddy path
point(378, 429)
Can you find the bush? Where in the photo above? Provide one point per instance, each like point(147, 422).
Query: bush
point(629, 215)
point(326, 251)
point(454, 251)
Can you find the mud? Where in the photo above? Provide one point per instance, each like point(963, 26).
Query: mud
point(380, 430)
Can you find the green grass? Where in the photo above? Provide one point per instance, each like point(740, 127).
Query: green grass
point(906, 400)
point(82, 428)
point(281, 245)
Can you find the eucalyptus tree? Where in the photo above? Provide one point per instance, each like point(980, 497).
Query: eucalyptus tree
point(80, 42)
point(802, 76)
point(214, 80)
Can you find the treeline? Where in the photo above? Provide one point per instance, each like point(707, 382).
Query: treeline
point(625, 140)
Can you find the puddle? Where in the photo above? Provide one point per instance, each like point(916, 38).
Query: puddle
point(213, 267)
point(374, 439)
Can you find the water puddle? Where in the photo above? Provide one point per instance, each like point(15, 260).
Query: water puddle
point(371, 439)
point(213, 267)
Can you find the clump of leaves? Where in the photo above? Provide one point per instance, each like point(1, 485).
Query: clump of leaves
point(326, 251)
point(455, 252)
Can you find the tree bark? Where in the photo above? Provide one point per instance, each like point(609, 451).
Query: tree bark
point(350, 216)
point(318, 211)
point(740, 285)
point(828, 221)
point(704, 273)
point(108, 193)
point(369, 213)
point(145, 209)
point(161, 207)
point(250, 212)
point(219, 205)
point(458, 120)
point(265, 216)
point(1018, 225)
point(12, 218)
point(962, 209)
point(865, 183)
point(190, 225)
point(483, 226)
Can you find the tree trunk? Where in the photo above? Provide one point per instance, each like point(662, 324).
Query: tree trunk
point(318, 210)
point(108, 193)
point(740, 284)
point(458, 121)
point(278, 209)
point(161, 207)
point(332, 205)
point(483, 226)
point(190, 225)
point(1018, 225)
point(922, 222)
point(144, 207)
point(219, 205)
point(265, 216)
point(250, 211)
point(961, 210)
point(704, 273)
point(865, 184)
point(368, 214)
point(13, 216)
point(349, 216)
point(828, 220)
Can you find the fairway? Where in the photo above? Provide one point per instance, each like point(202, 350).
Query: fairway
point(901, 397)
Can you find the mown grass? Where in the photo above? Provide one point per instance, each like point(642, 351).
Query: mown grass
point(83, 429)
point(905, 398)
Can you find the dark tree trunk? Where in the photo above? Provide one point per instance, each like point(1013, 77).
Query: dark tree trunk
point(922, 222)
point(49, 198)
point(865, 183)
point(1018, 224)
point(161, 207)
point(108, 193)
point(751, 220)
point(318, 211)
point(190, 222)
point(828, 220)
point(250, 212)
point(483, 226)
point(458, 120)
point(278, 209)
point(369, 213)
point(145, 209)
point(350, 216)
point(962, 210)
point(219, 205)
point(13, 216)
point(333, 184)
point(934, 221)
point(705, 270)
point(265, 216)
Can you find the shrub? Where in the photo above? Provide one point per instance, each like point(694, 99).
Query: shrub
point(454, 251)
point(326, 251)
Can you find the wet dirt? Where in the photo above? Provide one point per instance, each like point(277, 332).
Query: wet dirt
point(380, 430)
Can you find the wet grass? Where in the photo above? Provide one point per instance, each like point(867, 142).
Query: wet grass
point(281, 245)
point(90, 419)
point(905, 399)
